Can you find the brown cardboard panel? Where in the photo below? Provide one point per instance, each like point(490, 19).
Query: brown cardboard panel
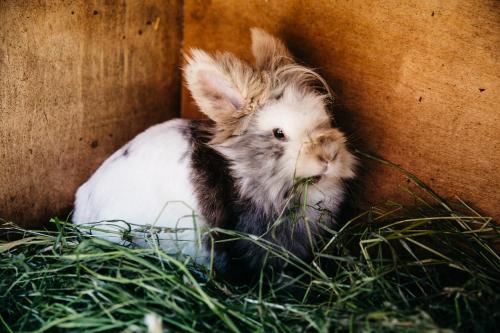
point(78, 80)
point(418, 81)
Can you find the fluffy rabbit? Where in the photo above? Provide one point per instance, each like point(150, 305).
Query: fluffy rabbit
point(266, 163)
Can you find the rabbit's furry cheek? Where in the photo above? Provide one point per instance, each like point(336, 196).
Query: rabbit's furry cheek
point(258, 167)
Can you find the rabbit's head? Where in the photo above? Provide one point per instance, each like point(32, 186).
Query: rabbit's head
point(271, 122)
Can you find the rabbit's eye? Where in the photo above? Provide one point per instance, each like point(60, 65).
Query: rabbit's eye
point(279, 134)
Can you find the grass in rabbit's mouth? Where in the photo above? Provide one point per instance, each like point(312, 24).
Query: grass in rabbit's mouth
point(431, 266)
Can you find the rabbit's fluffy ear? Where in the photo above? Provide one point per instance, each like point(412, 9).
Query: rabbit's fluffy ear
point(270, 52)
point(226, 89)
point(212, 88)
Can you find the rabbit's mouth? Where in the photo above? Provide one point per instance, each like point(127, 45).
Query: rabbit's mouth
point(313, 180)
point(316, 179)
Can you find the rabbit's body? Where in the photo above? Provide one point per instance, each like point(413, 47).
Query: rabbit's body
point(147, 182)
point(268, 163)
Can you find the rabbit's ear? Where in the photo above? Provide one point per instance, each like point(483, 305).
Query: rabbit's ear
point(226, 89)
point(270, 52)
point(212, 88)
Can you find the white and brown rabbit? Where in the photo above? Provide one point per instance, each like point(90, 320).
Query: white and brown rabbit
point(242, 170)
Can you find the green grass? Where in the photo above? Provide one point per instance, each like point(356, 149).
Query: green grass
point(429, 266)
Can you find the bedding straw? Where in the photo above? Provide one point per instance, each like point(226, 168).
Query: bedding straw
point(429, 266)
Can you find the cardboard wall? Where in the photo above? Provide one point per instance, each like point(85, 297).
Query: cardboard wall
point(418, 81)
point(77, 80)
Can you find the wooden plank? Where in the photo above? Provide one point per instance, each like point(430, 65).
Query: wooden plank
point(78, 80)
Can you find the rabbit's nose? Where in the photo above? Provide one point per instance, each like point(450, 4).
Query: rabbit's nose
point(328, 155)
point(324, 163)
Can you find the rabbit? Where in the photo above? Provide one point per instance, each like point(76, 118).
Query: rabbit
point(267, 162)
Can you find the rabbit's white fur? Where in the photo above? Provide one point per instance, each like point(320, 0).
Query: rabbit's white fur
point(147, 181)
point(233, 172)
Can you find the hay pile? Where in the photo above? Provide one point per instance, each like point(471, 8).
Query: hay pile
point(431, 266)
